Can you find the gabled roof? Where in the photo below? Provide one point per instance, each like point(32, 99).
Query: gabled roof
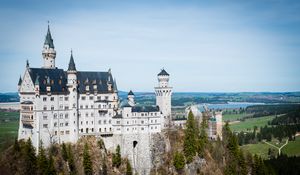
point(55, 78)
point(130, 92)
point(163, 72)
point(72, 66)
point(20, 81)
point(48, 39)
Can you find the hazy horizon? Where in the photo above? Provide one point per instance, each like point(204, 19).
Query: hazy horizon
point(215, 46)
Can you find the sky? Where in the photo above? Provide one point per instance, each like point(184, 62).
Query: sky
point(205, 46)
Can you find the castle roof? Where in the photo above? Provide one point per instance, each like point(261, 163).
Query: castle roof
point(72, 66)
point(57, 80)
point(130, 92)
point(145, 109)
point(163, 72)
point(48, 39)
point(20, 81)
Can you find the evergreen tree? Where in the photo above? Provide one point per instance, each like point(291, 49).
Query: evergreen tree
point(117, 157)
point(203, 139)
point(178, 161)
point(128, 168)
point(17, 146)
point(30, 158)
point(189, 145)
point(71, 162)
point(87, 163)
point(64, 152)
point(51, 168)
point(42, 161)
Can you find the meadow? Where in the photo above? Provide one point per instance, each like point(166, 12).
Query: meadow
point(9, 123)
point(249, 124)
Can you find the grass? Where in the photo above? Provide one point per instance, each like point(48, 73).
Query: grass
point(9, 123)
point(260, 149)
point(248, 124)
point(292, 148)
point(233, 117)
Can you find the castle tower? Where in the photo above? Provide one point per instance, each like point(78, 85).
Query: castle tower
point(163, 97)
point(130, 98)
point(73, 98)
point(49, 53)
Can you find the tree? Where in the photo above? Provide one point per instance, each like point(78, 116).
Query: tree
point(51, 168)
point(30, 158)
point(64, 152)
point(116, 160)
point(128, 168)
point(203, 139)
point(71, 162)
point(189, 145)
point(87, 163)
point(178, 161)
point(42, 161)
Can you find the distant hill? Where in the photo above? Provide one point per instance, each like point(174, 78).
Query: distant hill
point(9, 97)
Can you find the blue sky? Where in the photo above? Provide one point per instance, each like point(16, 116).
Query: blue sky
point(215, 46)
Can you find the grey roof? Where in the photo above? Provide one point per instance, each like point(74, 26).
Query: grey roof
point(163, 72)
point(130, 92)
point(20, 81)
point(101, 79)
point(72, 66)
point(48, 39)
point(55, 78)
point(145, 109)
point(27, 102)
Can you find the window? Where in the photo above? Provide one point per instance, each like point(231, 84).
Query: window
point(67, 124)
point(99, 122)
point(142, 128)
point(66, 116)
point(83, 98)
point(52, 107)
point(45, 108)
point(98, 98)
point(91, 97)
point(81, 122)
point(61, 106)
point(62, 132)
point(61, 116)
point(86, 106)
point(106, 97)
point(55, 132)
point(45, 125)
point(118, 122)
point(67, 132)
point(52, 99)
point(66, 107)
point(55, 124)
point(66, 98)
point(60, 98)
point(109, 121)
point(92, 106)
point(86, 114)
point(142, 121)
point(55, 116)
point(45, 117)
point(92, 129)
point(104, 121)
point(86, 122)
point(92, 114)
point(44, 98)
point(61, 124)
point(81, 106)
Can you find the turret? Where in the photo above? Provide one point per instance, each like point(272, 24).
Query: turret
point(49, 53)
point(130, 98)
point(72, 77)
point(163, 97)
point(37, 86)
point(19, 83)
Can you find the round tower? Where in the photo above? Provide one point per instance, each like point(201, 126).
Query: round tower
point(49, 53)
point(163, 97)
point(130, 98)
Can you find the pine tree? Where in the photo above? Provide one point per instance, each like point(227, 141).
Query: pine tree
point(203, 139)
point(87, 163)
point(42, 161)
point(64, 152)
point(30, 158)
point(189, 145)
point(178, 161)
point(51, 168)
point(117, 157)
point(128, 168)
point(71, 162)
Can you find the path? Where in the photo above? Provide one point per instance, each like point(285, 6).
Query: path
point(279, 148)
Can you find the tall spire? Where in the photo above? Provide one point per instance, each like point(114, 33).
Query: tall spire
point(48, 39)
point(72, 66)
point(20, 81)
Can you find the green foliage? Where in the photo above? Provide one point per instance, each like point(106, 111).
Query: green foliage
point(30, 158)
point(128, 168)
point(203, 139)
point(71, 162)
point(190, 145)
point(116, 159)
point(64, 152)
point(178, 161)
point(42, 161)
point(87, 163)
point(51, 168)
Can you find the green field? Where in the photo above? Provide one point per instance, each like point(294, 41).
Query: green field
point(292, 148)
point(234, 117)
point(248, 124)
point(261, 149)
point(9, 122)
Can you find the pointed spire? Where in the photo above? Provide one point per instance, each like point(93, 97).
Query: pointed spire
point(27, 63)
point(37, 80)
point(72, 66)
point(163, 72)
point(48, 39)
point(115, 86)
point(20, 81)
point(130, 92)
